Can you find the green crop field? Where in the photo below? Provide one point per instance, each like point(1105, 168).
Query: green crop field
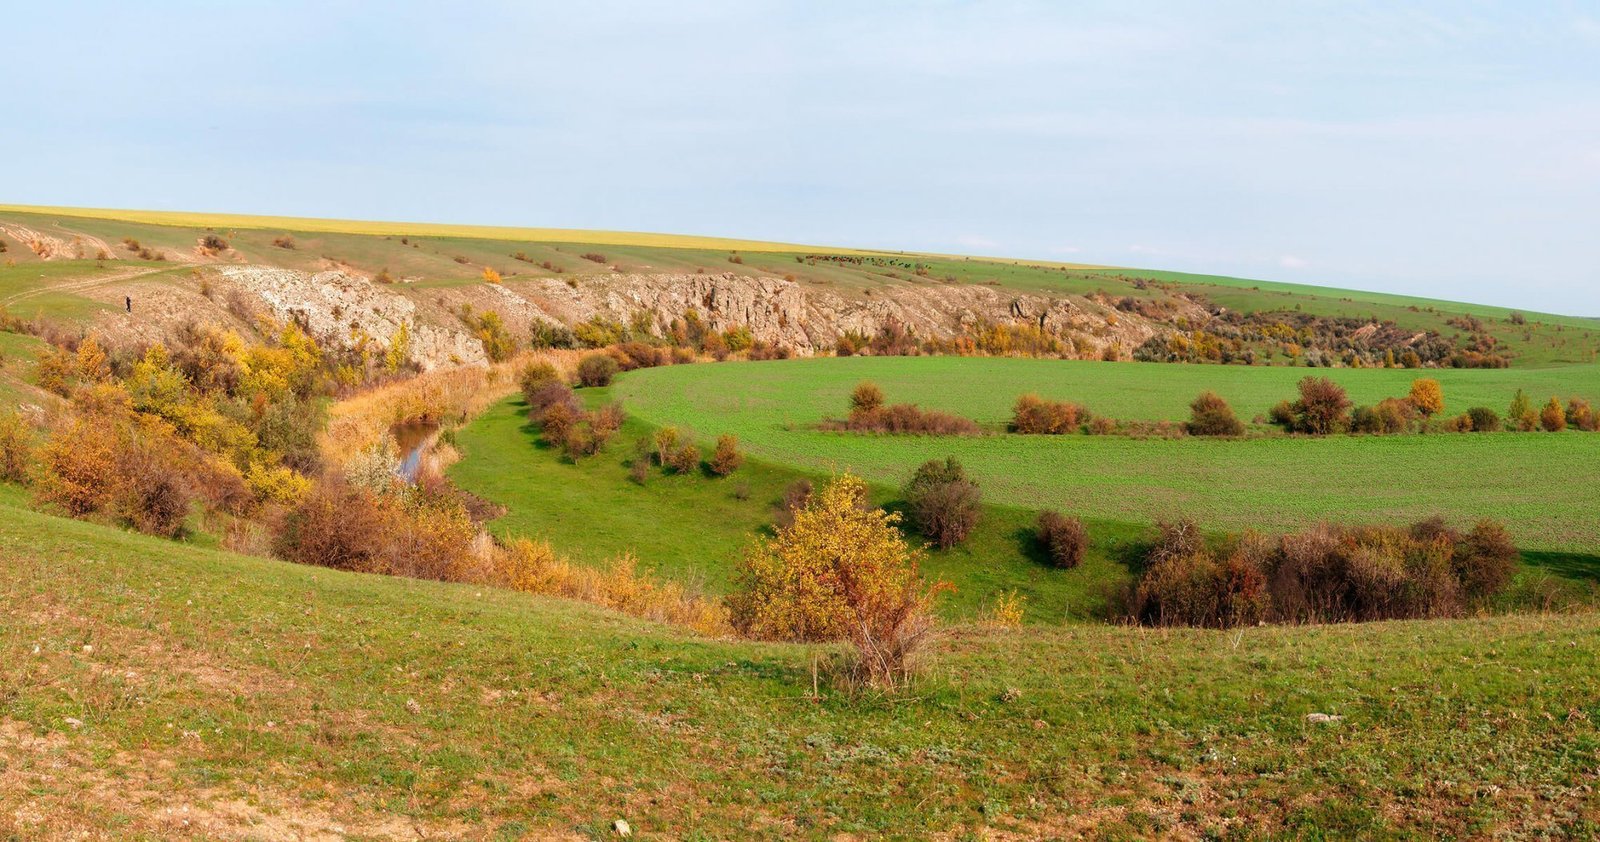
point(163, 690)
point(1537, 483)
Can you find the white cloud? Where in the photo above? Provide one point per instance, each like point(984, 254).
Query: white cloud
point(1289, 261)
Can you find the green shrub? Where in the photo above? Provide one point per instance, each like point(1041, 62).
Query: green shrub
point(1521, 415)
point(550, 335)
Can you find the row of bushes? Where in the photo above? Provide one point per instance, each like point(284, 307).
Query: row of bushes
point(1324, 408)
point(869, 414)
point(1325, 574)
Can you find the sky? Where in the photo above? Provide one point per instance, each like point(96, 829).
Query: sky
point(1443, 149)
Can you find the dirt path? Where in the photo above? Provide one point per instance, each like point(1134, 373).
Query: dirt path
point(80, 284)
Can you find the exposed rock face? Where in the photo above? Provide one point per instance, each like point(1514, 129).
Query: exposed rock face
point(338, 308)
point(811, 319)
point(343, 309)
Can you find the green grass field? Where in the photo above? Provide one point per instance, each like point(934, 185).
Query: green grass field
point(151, 690)
point(1536, 483)
point(693, 528)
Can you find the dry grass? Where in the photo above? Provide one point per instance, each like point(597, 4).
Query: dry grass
point(443, 397)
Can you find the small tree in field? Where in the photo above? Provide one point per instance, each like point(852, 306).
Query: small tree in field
point(1427, 396)
point(490, 275)
point(1210, 415)
point(841, 571)
point(1553, 418)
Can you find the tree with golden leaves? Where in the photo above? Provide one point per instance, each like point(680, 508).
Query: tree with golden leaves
point(1427, 396)
point(841, 571)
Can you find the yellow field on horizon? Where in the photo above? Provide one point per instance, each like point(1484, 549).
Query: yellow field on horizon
point(425, 229)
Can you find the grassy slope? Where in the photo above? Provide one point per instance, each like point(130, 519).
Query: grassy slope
point(1275, 483)
point(220, 695)
point(693, 528)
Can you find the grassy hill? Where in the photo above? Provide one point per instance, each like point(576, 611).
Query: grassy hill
point(429, 255)
point(150, 690)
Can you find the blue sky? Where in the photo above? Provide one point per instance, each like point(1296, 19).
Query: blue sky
point(1448, 149)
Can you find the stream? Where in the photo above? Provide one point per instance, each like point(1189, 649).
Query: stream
point(413, 441)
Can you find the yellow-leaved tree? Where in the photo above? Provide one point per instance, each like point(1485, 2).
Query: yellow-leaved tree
point(841, 571)
point(1427, 396)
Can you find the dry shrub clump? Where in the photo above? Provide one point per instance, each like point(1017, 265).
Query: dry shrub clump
point(635, 355)
point(795, 497)
point(869, 414)
point(1210, 415)
point(1391, 416)
point(411, 532)
point(1325, 574)
point(1064, 539)
point(841, 571)
point(534, 377)
point(944, 503)
point(726, 458)
point(132, 468)
point(1322, 409)
point(16, 446)
point(1553, 419)
point(1033, 415)
point(450, 395)
point(597, 370)
point(1581, 416)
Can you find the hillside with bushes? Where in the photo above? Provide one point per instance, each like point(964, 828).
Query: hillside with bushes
point(403, 531)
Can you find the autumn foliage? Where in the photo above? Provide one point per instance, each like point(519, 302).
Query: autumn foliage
point(841, 571)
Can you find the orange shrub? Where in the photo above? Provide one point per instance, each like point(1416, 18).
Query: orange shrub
point(16, 446)
point(1034, 415)
point(1553, 418)
point(866, 397)
point(1210, 415)
point(726, 458)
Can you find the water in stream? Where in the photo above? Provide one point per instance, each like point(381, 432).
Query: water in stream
point(412, 442)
